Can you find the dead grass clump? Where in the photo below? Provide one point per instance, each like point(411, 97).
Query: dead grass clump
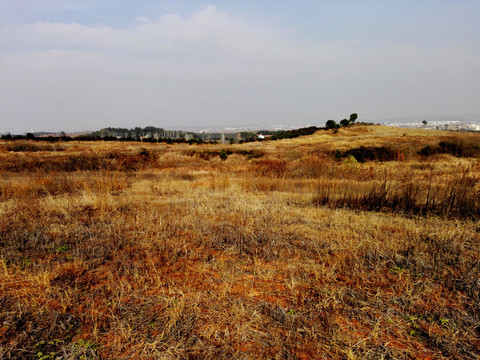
point(263, 184)
point(271, 167)
point(40, 185)
point(312, 167)
point(79, 162)
point(30, 146)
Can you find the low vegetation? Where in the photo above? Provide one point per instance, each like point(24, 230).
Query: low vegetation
point(351, 243)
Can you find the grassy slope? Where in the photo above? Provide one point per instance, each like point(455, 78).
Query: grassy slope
point(106, 253)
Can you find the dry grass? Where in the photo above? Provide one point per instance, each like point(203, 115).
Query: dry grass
point(125, 250)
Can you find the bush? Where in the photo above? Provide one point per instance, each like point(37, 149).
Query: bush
point(429, 150)
point(363, 154)
point(459, 148)
point(223, 154)
point(454, 147)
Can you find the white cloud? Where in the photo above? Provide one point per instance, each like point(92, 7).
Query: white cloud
point(213, 68)
point(206, 27)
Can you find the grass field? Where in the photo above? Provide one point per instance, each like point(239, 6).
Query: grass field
point(290, 249)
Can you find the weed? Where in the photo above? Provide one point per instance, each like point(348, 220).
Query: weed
point(62, 248)
point(351, 161)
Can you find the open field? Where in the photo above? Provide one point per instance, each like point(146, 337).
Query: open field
point(290, 249)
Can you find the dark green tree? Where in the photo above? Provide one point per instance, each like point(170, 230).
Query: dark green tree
point(331, 124)
point(353, 118)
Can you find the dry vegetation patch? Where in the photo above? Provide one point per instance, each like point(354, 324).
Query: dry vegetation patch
point(159, 251)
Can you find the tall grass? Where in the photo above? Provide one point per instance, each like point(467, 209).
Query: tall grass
point(457, 197)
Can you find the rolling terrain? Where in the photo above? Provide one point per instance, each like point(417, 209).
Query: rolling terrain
point(360, 243)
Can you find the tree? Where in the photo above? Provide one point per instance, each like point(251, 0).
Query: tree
point(331, 124)
point(353, 117)
point(424, 122)
point(344, 122)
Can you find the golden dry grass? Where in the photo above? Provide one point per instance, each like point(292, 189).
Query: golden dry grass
point(108, 251)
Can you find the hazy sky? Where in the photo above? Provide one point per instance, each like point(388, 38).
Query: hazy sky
point(86, 64)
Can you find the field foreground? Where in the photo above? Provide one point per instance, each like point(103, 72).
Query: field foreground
point(360, 244)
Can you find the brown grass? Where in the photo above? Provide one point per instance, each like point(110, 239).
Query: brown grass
point(142, 251)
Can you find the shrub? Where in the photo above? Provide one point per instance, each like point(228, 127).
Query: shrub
point(459, 148)
point(223, 154)
point(429, 150)
point(363, 154)
point(453, 147)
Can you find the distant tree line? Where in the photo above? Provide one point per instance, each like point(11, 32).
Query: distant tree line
point(137, 133)
point(153, 134)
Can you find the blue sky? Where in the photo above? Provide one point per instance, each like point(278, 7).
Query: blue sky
point(83, 65)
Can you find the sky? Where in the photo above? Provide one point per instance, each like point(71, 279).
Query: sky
point(79, 65)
